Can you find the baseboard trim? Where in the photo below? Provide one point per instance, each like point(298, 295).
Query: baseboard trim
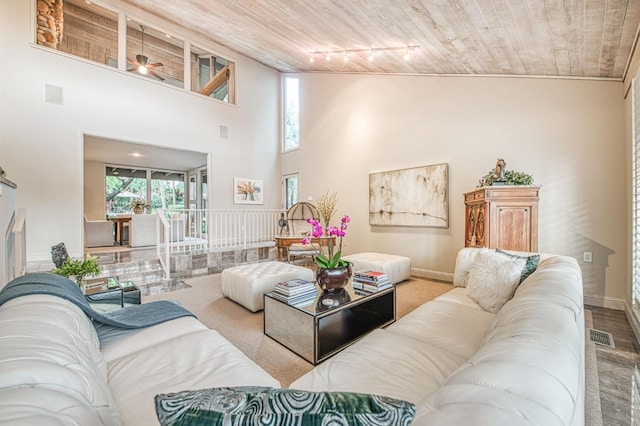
point(605, 302)
point(434, 275)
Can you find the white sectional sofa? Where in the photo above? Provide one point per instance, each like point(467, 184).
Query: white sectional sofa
point(461, 365)
point(53, 370)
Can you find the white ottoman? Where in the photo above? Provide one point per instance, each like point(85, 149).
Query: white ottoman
point(247, 284)
point(398, 268)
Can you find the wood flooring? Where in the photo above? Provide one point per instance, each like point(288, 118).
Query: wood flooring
point(618, 369)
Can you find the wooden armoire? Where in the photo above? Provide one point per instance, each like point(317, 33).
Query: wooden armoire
point(504, 217)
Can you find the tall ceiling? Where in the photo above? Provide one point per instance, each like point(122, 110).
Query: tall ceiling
point(573, 38)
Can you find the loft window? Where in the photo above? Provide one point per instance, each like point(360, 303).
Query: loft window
point(80, 29)
point(152, 54)
point(212, 75)
point(86, 30)
point(291, 114)
point(290, 190)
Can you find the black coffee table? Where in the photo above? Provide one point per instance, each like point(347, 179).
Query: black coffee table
point(330, 323)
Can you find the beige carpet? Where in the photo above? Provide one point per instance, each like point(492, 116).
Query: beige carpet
point(244, 328)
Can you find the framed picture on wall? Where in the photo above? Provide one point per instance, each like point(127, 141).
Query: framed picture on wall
point(248, 191)
point(410, 197)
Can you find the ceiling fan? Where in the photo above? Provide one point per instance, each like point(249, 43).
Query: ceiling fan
point(141, 64)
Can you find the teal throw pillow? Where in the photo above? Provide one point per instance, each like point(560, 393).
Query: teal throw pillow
point(264, 406)
point(530, 266)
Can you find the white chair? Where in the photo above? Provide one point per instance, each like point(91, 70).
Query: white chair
point(143, 230)
point(98, 233)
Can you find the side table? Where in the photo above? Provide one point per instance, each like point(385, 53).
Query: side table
point(109, 290)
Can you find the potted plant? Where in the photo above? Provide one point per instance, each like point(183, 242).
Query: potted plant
point(332, 273)
point(138, 205)
point(501, 176)
point(79, 269)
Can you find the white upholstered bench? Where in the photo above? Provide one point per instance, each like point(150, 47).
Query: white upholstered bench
point(247, 284)
point(398, 268)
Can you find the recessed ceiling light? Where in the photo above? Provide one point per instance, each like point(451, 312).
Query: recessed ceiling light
point(136, 154)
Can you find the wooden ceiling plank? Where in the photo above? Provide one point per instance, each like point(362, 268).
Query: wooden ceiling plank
point(628, 38)
point(555, 31)
point(485, 25)
point(507, 28)
point(611, 35)
point(581, 38)
point(593, 31)
point(574, 35)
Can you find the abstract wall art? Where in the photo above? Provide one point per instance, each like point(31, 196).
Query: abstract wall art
point(248, 191)
point(416, 196)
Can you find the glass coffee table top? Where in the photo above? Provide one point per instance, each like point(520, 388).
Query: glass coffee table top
point(328, 323)
point(110, 291)
point(325, 301)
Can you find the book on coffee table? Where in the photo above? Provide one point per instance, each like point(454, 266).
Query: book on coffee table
point(371, 281)
point(296, 286)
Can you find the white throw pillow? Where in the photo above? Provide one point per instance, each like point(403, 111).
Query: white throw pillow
point(464, 262)
point(493, 279)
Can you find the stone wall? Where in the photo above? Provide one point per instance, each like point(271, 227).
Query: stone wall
point(50, 23)
point(185, 265)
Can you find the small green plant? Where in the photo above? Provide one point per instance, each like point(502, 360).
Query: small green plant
point(517, 178)
point(79, 268)
point(138, 205)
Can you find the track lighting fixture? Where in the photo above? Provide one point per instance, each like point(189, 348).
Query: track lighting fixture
point(372, 52)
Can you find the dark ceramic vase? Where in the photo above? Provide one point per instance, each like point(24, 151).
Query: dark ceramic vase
point(333, 279)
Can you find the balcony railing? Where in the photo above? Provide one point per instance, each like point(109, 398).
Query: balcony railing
point(205, 229)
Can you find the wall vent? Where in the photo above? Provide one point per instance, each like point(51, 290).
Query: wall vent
point(53, 94)
point(601, 338)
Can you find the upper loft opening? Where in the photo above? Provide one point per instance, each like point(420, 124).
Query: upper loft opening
point(91, 31)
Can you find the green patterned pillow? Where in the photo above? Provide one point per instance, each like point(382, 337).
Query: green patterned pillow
point(530, 266)
point(252, 405)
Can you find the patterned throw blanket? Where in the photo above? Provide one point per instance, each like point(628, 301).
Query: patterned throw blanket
point(131, 317)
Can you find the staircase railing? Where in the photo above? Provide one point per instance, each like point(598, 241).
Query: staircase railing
point(186, 230)
point(20, 243)
point(163, 244)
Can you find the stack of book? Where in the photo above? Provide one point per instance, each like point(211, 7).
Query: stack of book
point(296, 292)
point(370, 281)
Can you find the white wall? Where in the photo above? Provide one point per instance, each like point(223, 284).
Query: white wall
point(41, 143)
point(569, 134)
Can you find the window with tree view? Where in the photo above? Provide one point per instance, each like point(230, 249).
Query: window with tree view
point(127, 187)
point(291, 114)
point(167, 190)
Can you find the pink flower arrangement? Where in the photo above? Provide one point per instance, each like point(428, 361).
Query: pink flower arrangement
point(331, 260)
